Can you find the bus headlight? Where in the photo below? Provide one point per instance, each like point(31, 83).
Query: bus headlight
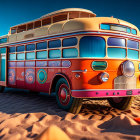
point(128, 68)
point(104, 77)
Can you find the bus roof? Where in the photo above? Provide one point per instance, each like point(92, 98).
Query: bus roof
point(64, 21)
point(69, 10)
point(59, 12)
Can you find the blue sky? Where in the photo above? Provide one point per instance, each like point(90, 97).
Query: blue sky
point(13, 12)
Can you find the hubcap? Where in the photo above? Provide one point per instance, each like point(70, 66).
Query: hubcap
point(64, 94)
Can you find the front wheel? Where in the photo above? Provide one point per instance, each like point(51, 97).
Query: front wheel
point(64, 98)
point(122, 103)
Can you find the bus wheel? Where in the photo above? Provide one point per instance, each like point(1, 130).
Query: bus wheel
point(64, 98)
point(34, 92)
point(122, 103)
point(2, 88)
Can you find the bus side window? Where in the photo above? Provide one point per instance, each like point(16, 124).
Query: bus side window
point(30, 56)
point(20, 56)
point(92, 46)
point(54, 44)
point(54, 53)
point(20, 48)
point(30, 47)
point(41, 45)
point(41, 55)
point(46, 21)
point(70, 53)
point(116, 42)
point(3, 40)
point(12, 56)
point(70, 42)
point(12, 49)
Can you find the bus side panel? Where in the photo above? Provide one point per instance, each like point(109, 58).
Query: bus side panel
point(51, 74)
point(70, 72)
point(20, 78)
point(12, 77)
point(54, 67)
point(41, 80)
point(30, 78)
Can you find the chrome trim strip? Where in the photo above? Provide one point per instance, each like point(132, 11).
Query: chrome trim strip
point(85, 70)
point(103, 89)
point(38, 67)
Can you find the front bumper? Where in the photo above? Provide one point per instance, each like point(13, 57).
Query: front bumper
point(104, 93)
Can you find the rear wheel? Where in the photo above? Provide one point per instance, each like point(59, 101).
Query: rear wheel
point(34, 92)
point(122, 103)
point(64, 98)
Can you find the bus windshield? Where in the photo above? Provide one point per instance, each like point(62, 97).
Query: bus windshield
point(92, 46)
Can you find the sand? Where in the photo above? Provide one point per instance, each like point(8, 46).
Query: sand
point(28, 116)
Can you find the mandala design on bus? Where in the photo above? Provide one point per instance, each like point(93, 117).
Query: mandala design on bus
point(30, 76)
point(11, 76)
point(41, 76)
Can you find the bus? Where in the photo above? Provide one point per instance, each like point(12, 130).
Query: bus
point(75, 55)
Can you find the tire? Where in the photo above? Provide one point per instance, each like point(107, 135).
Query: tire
point(121, 103)
point(64, 98)
point(2, 88)
point(34, 92)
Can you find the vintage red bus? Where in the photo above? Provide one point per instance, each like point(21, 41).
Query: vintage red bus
point(76, 55)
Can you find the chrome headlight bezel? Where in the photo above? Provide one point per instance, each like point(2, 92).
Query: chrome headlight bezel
point(103, 77)
point(128, 68)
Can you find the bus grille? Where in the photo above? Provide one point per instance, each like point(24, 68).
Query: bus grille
point(122, 82)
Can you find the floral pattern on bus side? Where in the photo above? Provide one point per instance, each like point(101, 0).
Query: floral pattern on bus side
point(41, 76)
point(11, 77)
point(30, 76)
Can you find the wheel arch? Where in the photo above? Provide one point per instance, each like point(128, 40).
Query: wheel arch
point(55, 80)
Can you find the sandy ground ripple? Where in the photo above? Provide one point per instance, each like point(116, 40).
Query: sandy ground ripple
point(27, 116)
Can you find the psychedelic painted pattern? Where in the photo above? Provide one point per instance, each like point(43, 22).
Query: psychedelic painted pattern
point(11, 64)
point(20, 77)
point(30, 76)
point(66, 63)
point(41, 63)
point(30, 64)
point(11, 76)
point(54, 63)
point(20, 64)
point(41, 76)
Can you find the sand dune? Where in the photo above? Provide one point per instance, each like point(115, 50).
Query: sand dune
point(25, 116)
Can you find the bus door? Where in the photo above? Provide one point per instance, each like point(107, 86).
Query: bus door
point(3, 66)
